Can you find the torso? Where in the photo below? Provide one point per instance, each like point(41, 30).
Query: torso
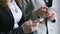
point(16, 11)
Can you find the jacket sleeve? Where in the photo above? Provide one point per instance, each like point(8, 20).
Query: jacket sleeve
point(20, 30)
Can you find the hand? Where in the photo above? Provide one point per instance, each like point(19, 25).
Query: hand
point(51, 15)
point(42, 12)
point(29, 26)
point(46, 12)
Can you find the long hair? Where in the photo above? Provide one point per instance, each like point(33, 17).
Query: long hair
point(3, 3)
point(19, 1)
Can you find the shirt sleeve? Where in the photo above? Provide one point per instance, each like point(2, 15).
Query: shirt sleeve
point(38, 3)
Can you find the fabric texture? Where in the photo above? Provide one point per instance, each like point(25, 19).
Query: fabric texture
point(14, 31)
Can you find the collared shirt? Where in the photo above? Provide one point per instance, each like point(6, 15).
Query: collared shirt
point(16, 11)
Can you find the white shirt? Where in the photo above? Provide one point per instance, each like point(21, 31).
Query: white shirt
point(16, 11)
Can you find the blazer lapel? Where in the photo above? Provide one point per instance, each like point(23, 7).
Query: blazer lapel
point(9, 13)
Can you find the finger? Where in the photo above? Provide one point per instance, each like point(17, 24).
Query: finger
point(45, 7)
point(40, 21)
point(34, 28)
point(53, 16)
point(35, 24)
point(49, 12)
point(29, 22)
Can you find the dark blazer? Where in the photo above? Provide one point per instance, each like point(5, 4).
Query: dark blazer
point(7, 20)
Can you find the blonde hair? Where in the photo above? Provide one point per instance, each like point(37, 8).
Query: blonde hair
point(3, 3)
point(19, 1)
